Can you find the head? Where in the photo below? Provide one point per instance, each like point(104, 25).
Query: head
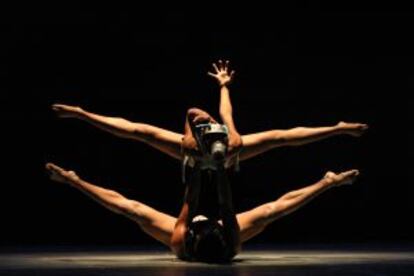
point(206, 242)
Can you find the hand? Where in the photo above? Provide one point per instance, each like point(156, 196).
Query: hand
point(221, 73)
point(66, 111)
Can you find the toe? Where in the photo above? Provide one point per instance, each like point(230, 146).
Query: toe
point(351, 173)
point(54, 168)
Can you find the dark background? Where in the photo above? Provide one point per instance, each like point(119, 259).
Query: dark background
point(298, 64)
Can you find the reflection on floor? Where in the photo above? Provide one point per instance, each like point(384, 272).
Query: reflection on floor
point(251, 262)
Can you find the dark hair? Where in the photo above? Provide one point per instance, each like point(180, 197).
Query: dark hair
point(206, 242)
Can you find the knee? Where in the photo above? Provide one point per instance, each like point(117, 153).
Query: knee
point(140, 212)
point(274, 138)
point(275, 210)
point(114, 195)
point(292, 137)
point(269, 209)
point(128, 207)
point(288, 196)
point(146, 133)
point(264, 215)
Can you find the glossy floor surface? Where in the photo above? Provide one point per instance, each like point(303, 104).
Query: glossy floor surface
point(251, 262)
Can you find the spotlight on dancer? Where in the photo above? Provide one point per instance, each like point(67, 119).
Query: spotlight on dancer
point(205, 145)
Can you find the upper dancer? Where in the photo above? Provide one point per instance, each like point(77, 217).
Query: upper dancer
point(206, 147)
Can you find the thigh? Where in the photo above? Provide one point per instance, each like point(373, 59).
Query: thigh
point(256, 143)
point(166, 141)
point(252, 222)
point(157, 224)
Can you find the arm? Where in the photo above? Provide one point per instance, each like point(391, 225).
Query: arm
point(226, 109)
point(224, 78)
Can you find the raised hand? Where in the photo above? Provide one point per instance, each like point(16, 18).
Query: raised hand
point(221, 73)
point(66, 111)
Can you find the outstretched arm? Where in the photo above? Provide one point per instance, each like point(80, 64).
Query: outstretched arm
point(224, 78)
point(164, 140)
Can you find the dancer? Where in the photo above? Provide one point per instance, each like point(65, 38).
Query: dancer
point(193, 236)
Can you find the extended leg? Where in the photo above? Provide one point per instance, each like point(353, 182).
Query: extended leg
point(158, 225)
point(258, 143)
point(254, 221)
point(164, 140)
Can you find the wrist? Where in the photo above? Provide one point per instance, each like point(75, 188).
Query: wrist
point(223, 85)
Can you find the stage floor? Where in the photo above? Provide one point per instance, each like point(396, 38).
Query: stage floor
point(251, 262)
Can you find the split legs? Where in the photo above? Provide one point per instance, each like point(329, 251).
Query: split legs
point(254, 221)
point(156, 224)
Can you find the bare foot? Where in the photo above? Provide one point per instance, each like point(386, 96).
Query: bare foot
point(61, 175)
point(66, 111)
point(344, 178)
point(354, 129)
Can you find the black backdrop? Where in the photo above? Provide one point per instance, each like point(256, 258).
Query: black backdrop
point(305, 64)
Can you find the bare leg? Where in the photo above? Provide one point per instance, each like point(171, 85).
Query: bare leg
point(158, 225)
point(254, 221)
point(258, 143)
point(164, 140)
